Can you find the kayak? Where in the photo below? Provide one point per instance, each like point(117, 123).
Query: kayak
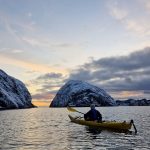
point(111, 125)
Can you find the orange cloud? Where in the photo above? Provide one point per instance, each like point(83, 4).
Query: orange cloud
point(42, 68)
point(126, 94)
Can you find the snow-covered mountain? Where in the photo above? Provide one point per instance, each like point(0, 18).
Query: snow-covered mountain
point(79, 93)
point(13, 93)
point(133, 102)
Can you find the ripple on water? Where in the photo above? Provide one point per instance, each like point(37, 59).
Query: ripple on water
point(44, 128)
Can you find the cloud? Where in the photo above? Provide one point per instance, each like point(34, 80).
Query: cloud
point(128, 94)
point(30, 66)
point(63, 45)
point(17, 51)
point(120, 73)
point(135, 60)
point(43, 96)
point(29, 14)
point(11, 50)
point(16, 26)
point(146, 4)
point(51, 75)
point(47, 85)
point(126, 76)
point(117, 12)
point(42, 42)
point(35, 42)
point(125, 15)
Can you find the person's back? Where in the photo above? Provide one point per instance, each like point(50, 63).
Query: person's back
point(93, 114)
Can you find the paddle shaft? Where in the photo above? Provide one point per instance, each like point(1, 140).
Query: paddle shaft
point(79, 112)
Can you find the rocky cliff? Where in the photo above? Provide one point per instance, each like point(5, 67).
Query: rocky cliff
point(13, 93)
point(82, 94)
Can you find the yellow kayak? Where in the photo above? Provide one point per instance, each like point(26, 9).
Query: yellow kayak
point(111, 125)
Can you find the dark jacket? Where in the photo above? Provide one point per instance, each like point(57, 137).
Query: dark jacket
point(93, 115)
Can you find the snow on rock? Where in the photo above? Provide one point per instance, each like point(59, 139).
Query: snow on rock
point(13, 93)
point(133, 102)
point(81, 94)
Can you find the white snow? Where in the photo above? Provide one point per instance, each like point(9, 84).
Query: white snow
point(13, 93)
point(82, 89)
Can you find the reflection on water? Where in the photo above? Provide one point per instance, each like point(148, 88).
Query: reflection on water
point(93, 131)
point(50, 129)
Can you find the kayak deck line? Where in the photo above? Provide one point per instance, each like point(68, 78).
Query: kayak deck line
point(111, 125)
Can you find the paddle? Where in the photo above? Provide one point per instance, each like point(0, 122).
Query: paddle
point(74, 110)
point(134, 126)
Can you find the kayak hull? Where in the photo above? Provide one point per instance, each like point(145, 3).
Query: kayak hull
point(112, 125)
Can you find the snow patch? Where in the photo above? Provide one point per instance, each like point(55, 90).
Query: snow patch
point(13, 93)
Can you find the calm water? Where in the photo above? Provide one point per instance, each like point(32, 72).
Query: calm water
point(50, 129)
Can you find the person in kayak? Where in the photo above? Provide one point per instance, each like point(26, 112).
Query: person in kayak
point(93, 114)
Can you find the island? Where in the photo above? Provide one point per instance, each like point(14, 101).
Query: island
point(13, 93)
point(81, 94)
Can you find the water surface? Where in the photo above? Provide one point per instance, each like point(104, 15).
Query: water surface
point(51, 129)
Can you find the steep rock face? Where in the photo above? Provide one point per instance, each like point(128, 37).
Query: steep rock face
point(13, 93)
point(79, 93)
point(132, 102)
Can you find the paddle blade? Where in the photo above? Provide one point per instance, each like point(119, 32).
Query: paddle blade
point(74, 110)
point(71, 109)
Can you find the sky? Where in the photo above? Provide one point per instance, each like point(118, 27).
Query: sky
point(45, 43)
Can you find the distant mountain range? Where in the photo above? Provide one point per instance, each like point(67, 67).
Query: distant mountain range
point(81, 94)
point(14, 94)
point(133, 102)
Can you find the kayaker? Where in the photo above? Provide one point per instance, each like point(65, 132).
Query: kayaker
point(93, 114)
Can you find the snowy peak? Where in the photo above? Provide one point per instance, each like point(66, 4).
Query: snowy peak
point(13, 93)
point(79, 93)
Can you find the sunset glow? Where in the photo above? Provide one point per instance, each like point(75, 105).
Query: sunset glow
point(41, 103)
point(105, 43)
